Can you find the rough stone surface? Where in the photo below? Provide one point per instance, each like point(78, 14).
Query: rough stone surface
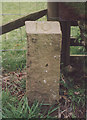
point(43, 64)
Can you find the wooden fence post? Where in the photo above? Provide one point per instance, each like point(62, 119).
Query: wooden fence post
point(65, 53)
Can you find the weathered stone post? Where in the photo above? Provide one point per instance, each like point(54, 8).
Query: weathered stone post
point(43, 61)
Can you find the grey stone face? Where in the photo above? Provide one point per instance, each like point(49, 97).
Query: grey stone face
point(43, 65)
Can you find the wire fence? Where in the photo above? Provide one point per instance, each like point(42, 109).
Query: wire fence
point(14, 43)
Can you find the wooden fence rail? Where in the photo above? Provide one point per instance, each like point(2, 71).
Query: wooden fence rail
point(21, 21)
point(74, 42)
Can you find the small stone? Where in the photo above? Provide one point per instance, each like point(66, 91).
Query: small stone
point(50, 43)
point(51, 90)
point(54, 56)
point(45, 81)
point(45, 43)
point(55, 81)
point(46, 71)
point(76, 93)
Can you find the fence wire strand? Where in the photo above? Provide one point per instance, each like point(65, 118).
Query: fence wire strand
point(13, 58)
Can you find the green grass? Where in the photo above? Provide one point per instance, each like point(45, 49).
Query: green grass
point(22, 8)
point(75, 31)
point(79, 50)
point(14, 60)
point(76, 93)
point(13, 108)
